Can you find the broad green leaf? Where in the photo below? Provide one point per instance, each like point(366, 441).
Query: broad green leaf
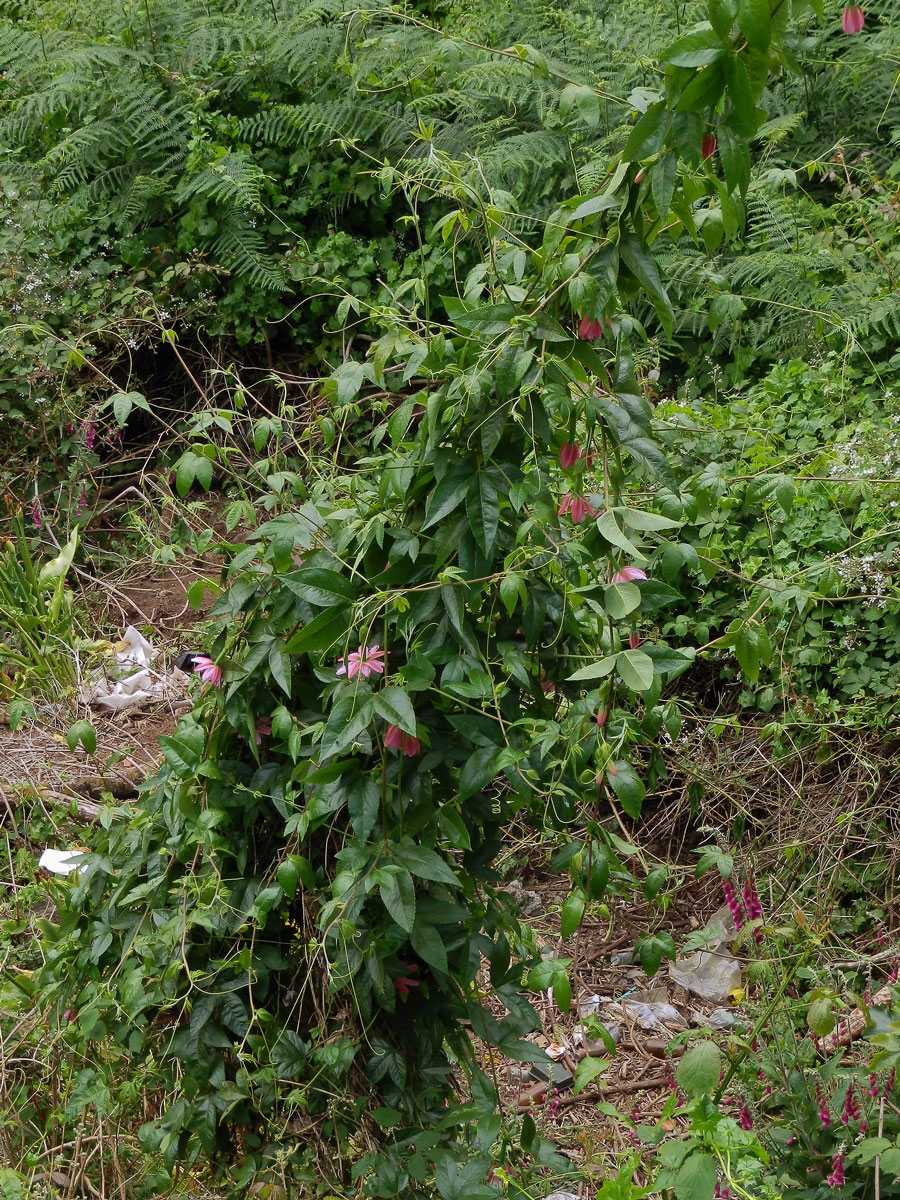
point(280, 666)
point(697, 48)
point(820, 1017)
point(426, 941)
point(424, 863)
point(628, 787)
point(587, 1070)
point(447, 495)
point(734, 154)
point(327, 629)
point(644, 522)
point(589, 208)
point(697, 1177)
point(489, 320)
point(609, 529)
point(320, 586)
point(483, 511)
point(596, 670)
point(478, 771)
point(57, 568)
point(651, 948)
point(755, 22)
point(83, 732)
point(644, 269)
point(647, 136)
point(562, 994)
point(700, 1068)
point(398, 894)
point(662, 183)
point(635, 669)
point(572, 913)
point(620, 599)
point(395, 706)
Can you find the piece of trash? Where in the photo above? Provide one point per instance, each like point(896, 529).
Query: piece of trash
point(185, 661)
point(596, 1047)
point(517, 1073)
point(562, 1196)
point(622, 958)
point(711, 974)
point(719, 1018)
point(652, 1015)
point(60, 862)
point(555, 1050)
point(132, 681)
point(553, 1074)
point(589, 1007)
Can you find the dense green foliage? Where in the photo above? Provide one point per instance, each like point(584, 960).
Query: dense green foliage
point(558, 294)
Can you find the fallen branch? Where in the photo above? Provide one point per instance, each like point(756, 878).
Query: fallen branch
point(851, 1027)
point(614, 1089)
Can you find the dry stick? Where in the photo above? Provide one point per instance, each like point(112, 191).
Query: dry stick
point(613, 1089)
point(878, 1156)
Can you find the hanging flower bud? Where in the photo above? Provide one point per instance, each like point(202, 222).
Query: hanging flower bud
point(853, 19)
point(708, 146)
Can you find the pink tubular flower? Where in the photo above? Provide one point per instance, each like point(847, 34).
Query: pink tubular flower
point(851, 1108)
point(36, 513)
point(577, 507)
point(836, 1178)
point(733, 903)
point(208, 671)
point(853, 19)
point(366, 661)
point(708, 146)
point(403, 983)
point(90, 434)
point(745, 1118)
point(589, 330)
point(628, 575)
point(569, 454)
point(396, 739)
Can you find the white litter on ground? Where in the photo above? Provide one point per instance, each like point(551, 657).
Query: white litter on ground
point(131, 681)
point(60, 862)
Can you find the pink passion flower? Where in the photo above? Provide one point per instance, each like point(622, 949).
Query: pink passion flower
point(628, 575)
point(403, 982)
point(577, 507)
point(208, 671)
point(589, 330)
point(396, 739)
point(853, 19)
point(366, 661)
point(569, 454)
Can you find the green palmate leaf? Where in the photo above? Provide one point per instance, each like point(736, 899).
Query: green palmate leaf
point(700, 1068)
point(398, 894)
point(395, 706)
point(635, 669)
